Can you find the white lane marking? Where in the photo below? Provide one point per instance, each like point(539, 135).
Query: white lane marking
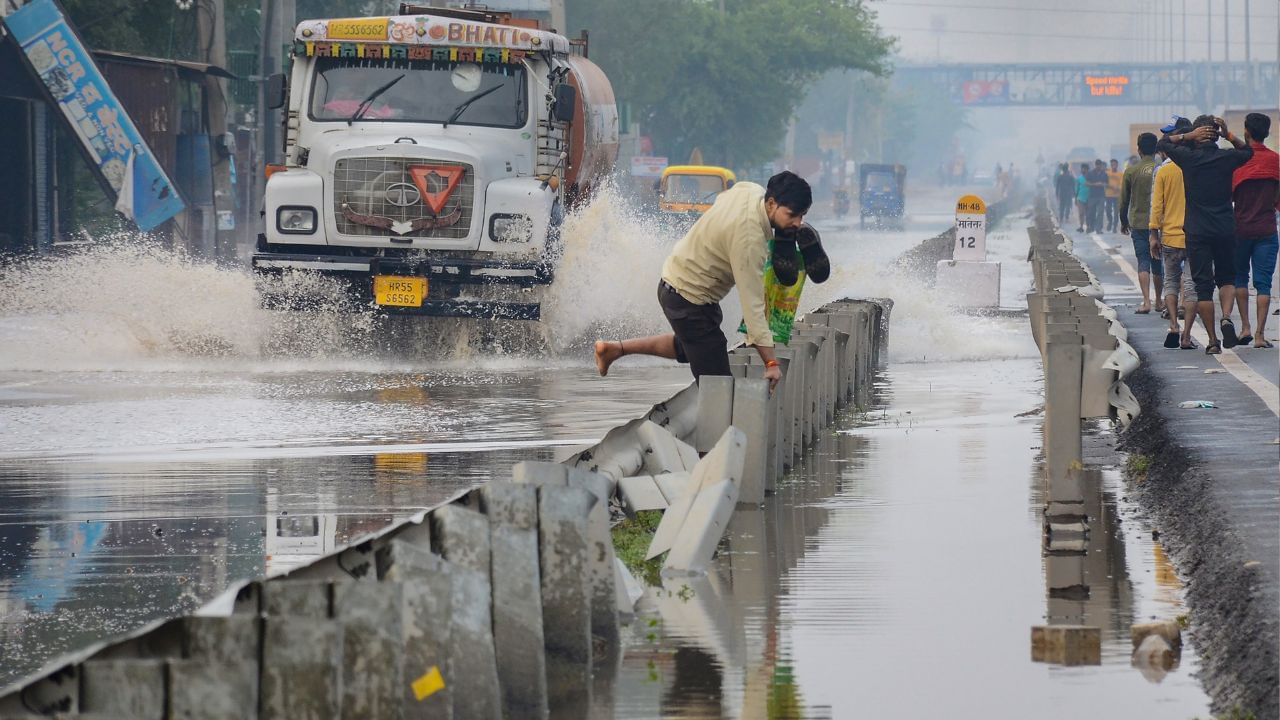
point(1239, 369)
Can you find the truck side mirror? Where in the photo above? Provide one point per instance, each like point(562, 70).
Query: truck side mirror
point(275, 91)
point(566, 102)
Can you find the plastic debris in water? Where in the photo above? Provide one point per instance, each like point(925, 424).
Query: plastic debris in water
point(1188, 404)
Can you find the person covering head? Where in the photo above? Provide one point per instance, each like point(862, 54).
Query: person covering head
point(1210, 222)
point(1176, 125)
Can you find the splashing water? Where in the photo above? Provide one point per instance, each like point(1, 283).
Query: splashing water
point(127, 304)
point(607, 281)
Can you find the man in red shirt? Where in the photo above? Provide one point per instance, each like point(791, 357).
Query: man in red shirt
point(1255, 190)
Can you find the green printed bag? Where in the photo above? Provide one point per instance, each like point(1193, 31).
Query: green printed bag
point(780, 301)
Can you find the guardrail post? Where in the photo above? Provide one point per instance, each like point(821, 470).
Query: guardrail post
point(564, 544)
point(751, 416)
point(426, 620)
point(301, 651)
point(715, 410)
point(462, 538)
point(518, 640)
point(371, 651)
point(1063, 367)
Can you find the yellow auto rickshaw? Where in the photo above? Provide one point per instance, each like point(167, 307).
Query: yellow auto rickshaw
point(690, 190)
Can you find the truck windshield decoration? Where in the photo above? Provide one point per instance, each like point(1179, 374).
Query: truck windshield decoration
point(430, 92)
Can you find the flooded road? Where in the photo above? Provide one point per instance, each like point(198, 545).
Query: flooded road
point(126, 497)
point(898, 574)
point(154, 453)
point(899, 571)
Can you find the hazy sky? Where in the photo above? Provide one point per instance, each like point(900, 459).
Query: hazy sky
point(1079, 30)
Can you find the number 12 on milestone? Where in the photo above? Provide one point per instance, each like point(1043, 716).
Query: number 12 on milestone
point(971, 229)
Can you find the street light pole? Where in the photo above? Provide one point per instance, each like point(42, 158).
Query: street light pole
point(1226, 52)
point(1248, 57)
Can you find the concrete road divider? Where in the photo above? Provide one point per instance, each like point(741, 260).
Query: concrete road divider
point(504, 601)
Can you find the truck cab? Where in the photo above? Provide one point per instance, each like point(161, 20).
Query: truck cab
point(431, 156)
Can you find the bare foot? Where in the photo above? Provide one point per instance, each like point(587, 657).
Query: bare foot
point(606, 353)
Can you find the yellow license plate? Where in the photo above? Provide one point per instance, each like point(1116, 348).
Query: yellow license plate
point(398, 290)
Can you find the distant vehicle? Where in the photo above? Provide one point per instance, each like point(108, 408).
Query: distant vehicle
point(982, 177)
point(881, 192)
point(688, 191)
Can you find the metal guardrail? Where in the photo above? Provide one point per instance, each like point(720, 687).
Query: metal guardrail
point(506, 600)
point(1085, 359)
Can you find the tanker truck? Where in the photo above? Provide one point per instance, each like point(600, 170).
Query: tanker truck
point(431, 156)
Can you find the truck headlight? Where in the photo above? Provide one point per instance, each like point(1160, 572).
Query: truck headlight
point(510, 228)
point(296, 220)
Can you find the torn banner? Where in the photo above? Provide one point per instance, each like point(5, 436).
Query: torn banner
point(142, 191)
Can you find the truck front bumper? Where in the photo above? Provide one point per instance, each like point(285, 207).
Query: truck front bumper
point(449, 281)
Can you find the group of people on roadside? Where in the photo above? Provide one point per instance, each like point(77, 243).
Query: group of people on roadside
point(1094, 193)
point(1201, 217)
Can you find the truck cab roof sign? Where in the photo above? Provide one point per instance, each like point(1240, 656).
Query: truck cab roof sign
point(142, 191)
point(430, 30)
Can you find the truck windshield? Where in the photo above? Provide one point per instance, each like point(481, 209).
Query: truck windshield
point(428, 93)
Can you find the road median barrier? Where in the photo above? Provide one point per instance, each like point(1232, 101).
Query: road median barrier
point(504, 601)
point(1085, 359)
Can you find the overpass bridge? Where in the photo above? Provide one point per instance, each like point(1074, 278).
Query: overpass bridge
point(1189, 85)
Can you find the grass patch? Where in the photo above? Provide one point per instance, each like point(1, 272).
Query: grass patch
point(1137, 466)
point(631, 539)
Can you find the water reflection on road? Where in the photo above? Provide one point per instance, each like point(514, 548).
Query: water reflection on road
point(129, 497)
point(898, 574)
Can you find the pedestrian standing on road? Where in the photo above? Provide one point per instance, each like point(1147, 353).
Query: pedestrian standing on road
point(728, 246)
point(1096, 179)
point(1135, 213)
point(1082, 197)
point(1256, 192)
point(1065, 188)
point(1168, 214)
point(1111, 201)
point(1210, 223)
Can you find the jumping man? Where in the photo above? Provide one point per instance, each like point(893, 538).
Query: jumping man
point(726, 247)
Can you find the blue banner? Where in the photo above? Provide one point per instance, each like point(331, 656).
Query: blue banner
point(143, 192)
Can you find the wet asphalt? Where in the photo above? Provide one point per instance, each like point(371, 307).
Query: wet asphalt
point(898, 569)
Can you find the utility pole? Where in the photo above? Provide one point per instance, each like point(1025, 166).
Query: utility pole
point(278, 21)
point(1209, 61)
point(1226, 53)
point(1248, 58)
point(218, 236)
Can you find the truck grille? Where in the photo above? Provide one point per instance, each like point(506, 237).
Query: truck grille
point(382, 187)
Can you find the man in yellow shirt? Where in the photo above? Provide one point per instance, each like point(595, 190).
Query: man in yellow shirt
point(1115, 176)
point(1169, 243)
point(727, 246)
